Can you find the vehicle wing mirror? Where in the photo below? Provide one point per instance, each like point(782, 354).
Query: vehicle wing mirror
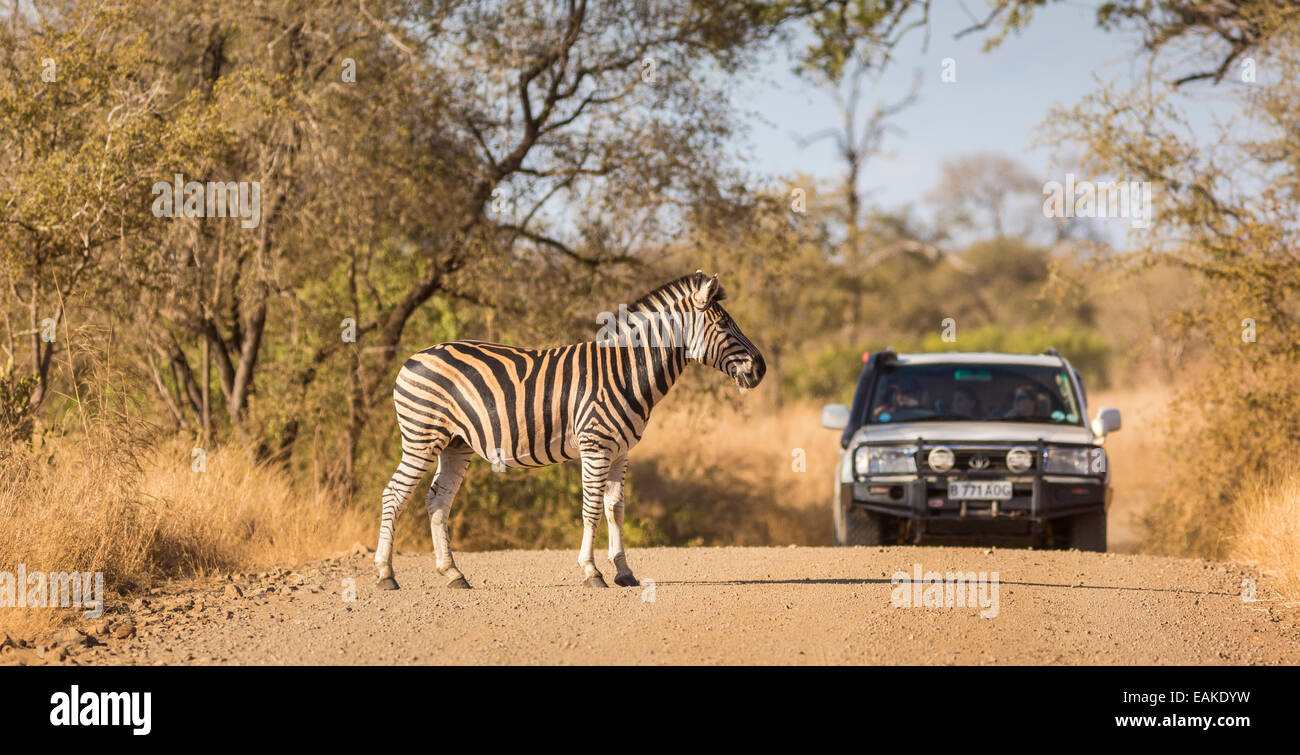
point(1107, 421)
point(836, 416)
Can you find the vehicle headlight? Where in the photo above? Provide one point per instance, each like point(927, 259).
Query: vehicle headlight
point(885, 460)
point(1074, 460)
point(1019, 459)
point(941, 459)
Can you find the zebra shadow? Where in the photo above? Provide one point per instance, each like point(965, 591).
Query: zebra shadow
point(909, 581)
point(725, 582)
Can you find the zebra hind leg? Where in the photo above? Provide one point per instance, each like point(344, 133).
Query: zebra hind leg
point(452, 463)
point(409, 471)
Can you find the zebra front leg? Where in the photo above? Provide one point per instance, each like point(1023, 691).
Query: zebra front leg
point(451, 470)
point(596, 464)
point(614, 514)
point(409, 471)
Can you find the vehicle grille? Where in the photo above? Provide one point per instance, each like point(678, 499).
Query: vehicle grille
point(996, 457)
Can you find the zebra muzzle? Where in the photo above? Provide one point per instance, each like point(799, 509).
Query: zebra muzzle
point(748, 373)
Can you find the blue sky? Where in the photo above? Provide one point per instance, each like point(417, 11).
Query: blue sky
point(997, 103)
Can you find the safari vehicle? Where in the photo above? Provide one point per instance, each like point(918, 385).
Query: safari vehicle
point(971, 447)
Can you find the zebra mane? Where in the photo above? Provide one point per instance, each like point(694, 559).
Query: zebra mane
point(674, 290)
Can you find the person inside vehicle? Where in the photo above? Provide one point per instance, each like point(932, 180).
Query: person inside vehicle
point(904, 395)
point(964, 403)
point(1023, 404)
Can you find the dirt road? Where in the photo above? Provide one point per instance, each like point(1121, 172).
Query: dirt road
point(715, 606)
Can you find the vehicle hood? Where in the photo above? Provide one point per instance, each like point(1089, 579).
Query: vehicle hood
point(974, 432)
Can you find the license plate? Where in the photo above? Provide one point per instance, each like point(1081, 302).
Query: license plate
point(979, 490)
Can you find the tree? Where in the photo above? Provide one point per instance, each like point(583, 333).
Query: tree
point(1225, 211)
point(979, 191)
point(76, 143)
point(857, 144)
point(411, 157)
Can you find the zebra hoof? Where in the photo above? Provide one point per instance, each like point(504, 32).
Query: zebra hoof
point(626, 580)
point(595, 581)
point(388, 583)
point(458, 583)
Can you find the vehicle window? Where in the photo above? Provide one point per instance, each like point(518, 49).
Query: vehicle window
point(974, 392)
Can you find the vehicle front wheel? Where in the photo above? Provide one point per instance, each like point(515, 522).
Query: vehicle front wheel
point(863, 527)
point(1088, 532)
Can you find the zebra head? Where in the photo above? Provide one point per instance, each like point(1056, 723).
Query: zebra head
point(716, 340)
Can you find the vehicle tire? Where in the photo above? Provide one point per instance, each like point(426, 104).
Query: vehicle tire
point(837, 510)
point(1088, 532)
point(863, 527)
point(837, 525)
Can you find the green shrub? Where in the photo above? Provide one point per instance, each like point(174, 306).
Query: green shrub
point(16, 413)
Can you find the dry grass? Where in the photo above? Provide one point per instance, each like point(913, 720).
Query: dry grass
point(1266, 532)
point(736, 476)
point(1139, 462)
point(139, 516)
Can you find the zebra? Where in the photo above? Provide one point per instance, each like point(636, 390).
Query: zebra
point(533, 408)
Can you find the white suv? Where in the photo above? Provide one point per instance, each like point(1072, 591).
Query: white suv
point(962, 446)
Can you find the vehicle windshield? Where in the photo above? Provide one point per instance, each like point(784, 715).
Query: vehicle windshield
point(974, 392)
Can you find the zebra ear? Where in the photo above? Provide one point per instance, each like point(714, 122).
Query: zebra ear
point(705, 295)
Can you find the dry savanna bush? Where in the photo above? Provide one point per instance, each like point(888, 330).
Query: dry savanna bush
point(139, 513)
point(1229, 428)
point(1266, 527)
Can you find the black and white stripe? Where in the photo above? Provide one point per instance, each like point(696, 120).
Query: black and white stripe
point(532, 408)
